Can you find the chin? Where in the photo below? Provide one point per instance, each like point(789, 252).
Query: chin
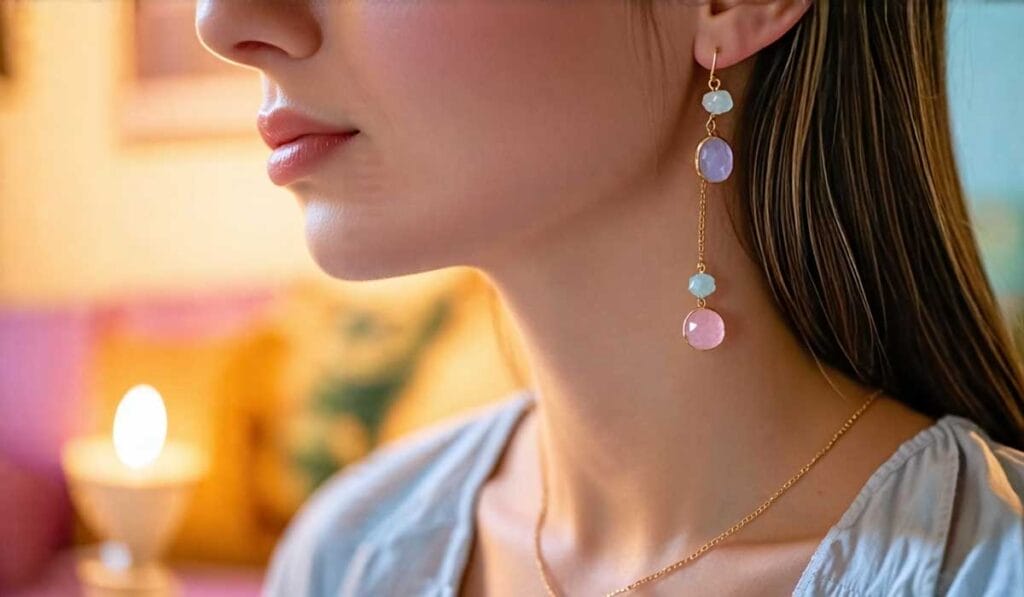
point(347, 257)
point(357, 241)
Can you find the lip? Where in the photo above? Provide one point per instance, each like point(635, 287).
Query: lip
point(299, 157)
point(298, 143)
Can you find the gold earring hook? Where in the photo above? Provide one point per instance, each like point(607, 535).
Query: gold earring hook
point(713, 82)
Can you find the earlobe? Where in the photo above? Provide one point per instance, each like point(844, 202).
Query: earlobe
point(742, 28)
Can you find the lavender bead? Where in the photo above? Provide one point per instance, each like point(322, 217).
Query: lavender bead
point(714, 159)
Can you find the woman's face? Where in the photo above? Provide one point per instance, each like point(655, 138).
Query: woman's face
point(482, 123)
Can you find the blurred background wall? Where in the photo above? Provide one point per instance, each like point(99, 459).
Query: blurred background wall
point(141, 242)
point(986, 84)
point(106, 206)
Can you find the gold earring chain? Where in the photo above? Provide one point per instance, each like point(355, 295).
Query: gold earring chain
point(708, 545)
point(702, 207)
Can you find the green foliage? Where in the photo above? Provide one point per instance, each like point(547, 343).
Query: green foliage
point(367, 398)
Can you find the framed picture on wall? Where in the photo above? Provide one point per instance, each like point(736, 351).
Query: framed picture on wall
point(5, 68)
point(173, 88)
point(11, 42)
point(7, 23)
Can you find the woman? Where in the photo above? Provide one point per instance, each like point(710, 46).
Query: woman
point(841, 413)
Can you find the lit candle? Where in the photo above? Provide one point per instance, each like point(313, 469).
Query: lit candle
point(140, 427)
point(131, 487)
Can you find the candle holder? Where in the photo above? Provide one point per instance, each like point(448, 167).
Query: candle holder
point(132, 492)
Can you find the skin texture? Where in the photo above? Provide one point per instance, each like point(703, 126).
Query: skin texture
point(543, 143)
point(482, 109)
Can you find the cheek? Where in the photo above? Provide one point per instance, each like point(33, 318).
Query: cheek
point(485, 108)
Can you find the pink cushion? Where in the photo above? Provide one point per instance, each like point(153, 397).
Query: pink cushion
point(33, 514)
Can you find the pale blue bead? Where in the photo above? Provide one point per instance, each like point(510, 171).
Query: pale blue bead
point(702, 284)
point(717, 102)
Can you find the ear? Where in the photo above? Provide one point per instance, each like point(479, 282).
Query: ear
point(742, 28)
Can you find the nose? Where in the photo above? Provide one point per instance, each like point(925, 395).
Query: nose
point(258, 33)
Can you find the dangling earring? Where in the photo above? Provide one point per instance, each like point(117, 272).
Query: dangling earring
point(704, 328)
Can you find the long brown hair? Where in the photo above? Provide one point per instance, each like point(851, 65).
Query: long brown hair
point(852, 204)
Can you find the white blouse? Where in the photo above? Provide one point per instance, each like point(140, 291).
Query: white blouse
point(942, 516)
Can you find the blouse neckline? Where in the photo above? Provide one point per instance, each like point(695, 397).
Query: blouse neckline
point(524, 400)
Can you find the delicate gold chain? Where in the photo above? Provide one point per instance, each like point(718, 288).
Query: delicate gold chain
point(713, 542)
point(702, 209)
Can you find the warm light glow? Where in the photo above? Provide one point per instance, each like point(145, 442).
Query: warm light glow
point(140, 426)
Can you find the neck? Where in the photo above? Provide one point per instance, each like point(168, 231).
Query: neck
point(656, 440)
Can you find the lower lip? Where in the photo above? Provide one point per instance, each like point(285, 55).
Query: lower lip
point(298, 158)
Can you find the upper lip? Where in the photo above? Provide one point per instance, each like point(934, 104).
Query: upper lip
point(281, 125)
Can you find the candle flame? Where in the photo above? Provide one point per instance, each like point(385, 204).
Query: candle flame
point(140, 426)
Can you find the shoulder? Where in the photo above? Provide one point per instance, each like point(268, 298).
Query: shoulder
point(985, 539)
point(942, 516)
point(406, 481)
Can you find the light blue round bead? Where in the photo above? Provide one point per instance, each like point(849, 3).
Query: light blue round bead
point(702, 284)
point(717, 102)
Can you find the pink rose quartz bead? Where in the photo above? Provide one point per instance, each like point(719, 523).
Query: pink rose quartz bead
point(703, 328)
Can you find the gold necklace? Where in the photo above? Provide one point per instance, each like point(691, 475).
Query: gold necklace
point(703, 548)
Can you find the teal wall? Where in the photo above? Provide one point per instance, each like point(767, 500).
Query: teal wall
point(986, 91)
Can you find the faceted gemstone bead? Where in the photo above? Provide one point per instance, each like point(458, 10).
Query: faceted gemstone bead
point(702, 284)
point(714, 159)
point(703, 328)
point(717, 102)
